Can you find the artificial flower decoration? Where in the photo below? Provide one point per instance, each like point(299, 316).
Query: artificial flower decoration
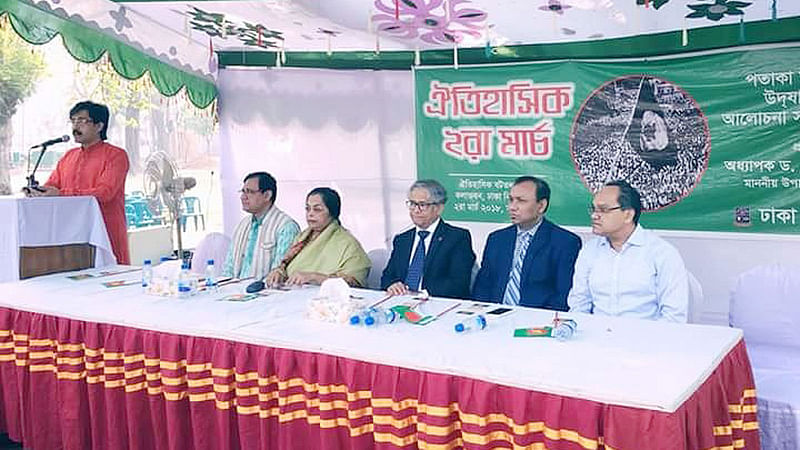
point(717, 10)
point(217, 25)
point(428, 20)
point(555, 6)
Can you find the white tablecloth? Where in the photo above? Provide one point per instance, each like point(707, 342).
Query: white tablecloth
point(618, 361)
point(48, 221)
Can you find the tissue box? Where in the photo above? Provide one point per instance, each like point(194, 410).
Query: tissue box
point(333, 303)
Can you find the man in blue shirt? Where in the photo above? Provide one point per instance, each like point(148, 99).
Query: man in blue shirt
point(627, 270)
point(529, 263)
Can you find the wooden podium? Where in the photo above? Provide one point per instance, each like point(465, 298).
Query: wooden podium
point(35, 261)
point(45, 235)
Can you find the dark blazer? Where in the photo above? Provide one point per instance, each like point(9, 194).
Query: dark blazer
point(546, 271)
point(448, 261)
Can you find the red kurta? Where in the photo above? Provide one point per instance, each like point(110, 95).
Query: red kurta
point(98, 170)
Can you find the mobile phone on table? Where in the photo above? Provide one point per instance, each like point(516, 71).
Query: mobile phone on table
point(499, 311)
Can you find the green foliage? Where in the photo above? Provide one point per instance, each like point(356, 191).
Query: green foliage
point(100, 81)
point(20, 68)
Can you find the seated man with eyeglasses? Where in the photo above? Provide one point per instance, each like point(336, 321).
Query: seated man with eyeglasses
point(529, 263)
point(432, 255)
point(261, 238)
point(627, 270)
point(96, 168)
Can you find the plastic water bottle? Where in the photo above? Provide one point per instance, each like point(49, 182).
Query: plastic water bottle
point(184, 282)
point(474, 323)
point(211, 277)
point(380, 317)
point(147, 274)
point(360, 317)
point(372, 317)
point(564, 330)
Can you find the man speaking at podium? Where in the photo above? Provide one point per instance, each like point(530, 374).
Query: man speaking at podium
point(95, 168)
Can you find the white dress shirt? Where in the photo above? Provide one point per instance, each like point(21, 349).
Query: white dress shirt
point(645, 279)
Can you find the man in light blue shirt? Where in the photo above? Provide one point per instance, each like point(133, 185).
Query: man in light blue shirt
point(261, 238)
point(627, 270)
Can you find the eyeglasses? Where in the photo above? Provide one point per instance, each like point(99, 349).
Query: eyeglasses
point(80, 120)
point(601, 209)
point(249, 191)
point(411, 204)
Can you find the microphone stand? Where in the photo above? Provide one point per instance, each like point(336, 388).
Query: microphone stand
point(32, 183)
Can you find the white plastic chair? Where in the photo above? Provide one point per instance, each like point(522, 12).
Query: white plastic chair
point(378, 258)
point(212, 246)
point(765, 303)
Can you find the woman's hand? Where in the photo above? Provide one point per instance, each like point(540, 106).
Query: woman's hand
point(307, 278)
point(275, 277)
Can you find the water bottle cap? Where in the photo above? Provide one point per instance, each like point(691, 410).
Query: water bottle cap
point(369, 320)
point(459, 328)
point(481, 320)
point(147, 261)
point(185, 266)
point(354, 320)
point(164, 258)
point(210, 262)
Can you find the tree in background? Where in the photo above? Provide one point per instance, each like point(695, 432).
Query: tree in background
point(152, 122)
point(128, 100)
point(21, 66)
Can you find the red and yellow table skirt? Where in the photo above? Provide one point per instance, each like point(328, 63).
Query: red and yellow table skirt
point(80, 385)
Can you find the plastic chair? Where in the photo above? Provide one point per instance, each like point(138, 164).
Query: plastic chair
point(213, 246)
point(130, 215)
point(143, 215)
point(190, 207)
point(378, 258)
point(766, 305)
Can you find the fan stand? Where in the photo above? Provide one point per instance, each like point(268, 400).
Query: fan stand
point(178, 227)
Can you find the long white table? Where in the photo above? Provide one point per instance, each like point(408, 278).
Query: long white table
point(644, 365)
point(50, 221)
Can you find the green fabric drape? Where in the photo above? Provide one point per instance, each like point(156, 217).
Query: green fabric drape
point(38, 26)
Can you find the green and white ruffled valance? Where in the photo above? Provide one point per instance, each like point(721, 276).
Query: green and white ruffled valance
point(86, 41)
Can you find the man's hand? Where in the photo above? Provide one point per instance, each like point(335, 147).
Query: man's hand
point(51, 191)
point(397, 288)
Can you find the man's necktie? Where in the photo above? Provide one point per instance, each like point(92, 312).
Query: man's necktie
point(511, 296)
point(417, 263)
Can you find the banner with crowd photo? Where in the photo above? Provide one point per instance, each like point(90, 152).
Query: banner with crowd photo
point(712, 142)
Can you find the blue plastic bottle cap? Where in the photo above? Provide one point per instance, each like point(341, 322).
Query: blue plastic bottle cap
point(210, 262)
point(164, 258)
point(147, 261)
point(369, 320)
point(185, 266)
point(481, 321)
point(459, 328)
point(354, 320)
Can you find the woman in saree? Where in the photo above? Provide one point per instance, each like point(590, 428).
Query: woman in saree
point(323, 250)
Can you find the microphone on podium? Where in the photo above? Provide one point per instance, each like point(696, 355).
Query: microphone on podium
point(33, 185)
point(58, 140)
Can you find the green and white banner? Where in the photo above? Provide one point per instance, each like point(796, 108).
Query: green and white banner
point(712, 142)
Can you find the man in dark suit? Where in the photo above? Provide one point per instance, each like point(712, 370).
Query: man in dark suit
point(530, 263)
point(433, 255)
